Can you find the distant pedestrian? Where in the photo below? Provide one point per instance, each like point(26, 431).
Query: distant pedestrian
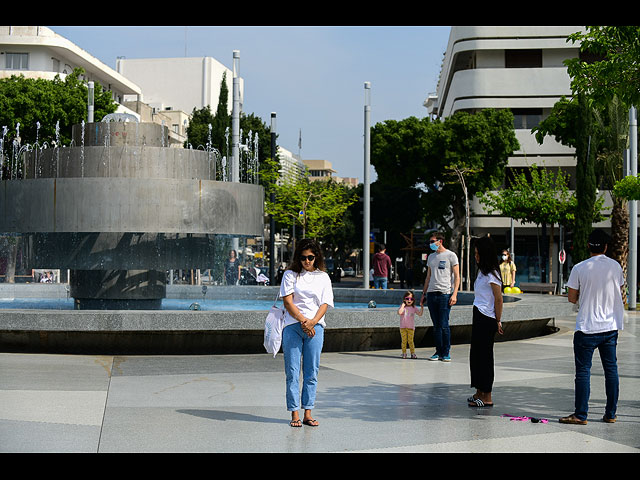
point(441, 289)
point(381, 267)
point(487, 314)
point(232, 268)
point(507, 270)
point(595, 285)
point(407, 312)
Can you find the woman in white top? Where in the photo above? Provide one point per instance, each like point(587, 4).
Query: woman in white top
point(307, 293)
point(487, 312)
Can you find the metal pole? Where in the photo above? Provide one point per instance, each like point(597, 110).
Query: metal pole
point(235, 129)
point(235, 120)
point(90, 103)
point(366, 203)
point(633, 212)
point(272, 222)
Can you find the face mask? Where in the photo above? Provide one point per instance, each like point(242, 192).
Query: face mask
point(434, 246)
point(504, 257)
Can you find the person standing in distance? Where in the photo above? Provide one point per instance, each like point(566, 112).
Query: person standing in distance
point(595, 285)
point(441, 289)
point(381, 267)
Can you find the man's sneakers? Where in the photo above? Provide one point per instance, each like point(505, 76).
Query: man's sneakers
point(435, 357)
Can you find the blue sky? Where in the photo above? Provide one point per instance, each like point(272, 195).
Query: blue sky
point(311, 76)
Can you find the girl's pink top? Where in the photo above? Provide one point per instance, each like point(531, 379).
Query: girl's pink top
point(408, 317)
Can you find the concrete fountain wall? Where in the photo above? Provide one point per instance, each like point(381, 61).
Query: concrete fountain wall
point(236, 332)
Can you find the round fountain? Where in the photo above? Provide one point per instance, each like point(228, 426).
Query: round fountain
point(120, 207)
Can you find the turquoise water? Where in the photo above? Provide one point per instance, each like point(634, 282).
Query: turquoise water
point(167, 304)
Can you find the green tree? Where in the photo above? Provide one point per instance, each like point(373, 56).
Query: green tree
point(608, 77)
point(616, 71)
point(540, 197)
point(421, 154)
point(38, 105)
point(318, 207)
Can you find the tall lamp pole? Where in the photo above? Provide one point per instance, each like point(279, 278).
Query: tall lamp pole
point(367, 195)
point(632, 279)
point(272, 221)
point(235, 129)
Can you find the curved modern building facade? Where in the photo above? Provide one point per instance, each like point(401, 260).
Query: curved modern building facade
point(520, 68)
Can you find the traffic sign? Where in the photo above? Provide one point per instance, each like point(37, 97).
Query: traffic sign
point(562, 256)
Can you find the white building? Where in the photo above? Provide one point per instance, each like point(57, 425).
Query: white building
point(180, 83)
point(520, 68)
point(291, 167)
point(39, 52)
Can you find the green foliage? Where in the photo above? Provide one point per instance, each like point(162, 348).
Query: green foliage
point(27, 101)
point(618, 70)
point(421, 154)
point(627, 188)
point(539, 197)
point(324, 204)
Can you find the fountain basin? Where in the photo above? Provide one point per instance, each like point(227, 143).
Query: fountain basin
point(236, 332)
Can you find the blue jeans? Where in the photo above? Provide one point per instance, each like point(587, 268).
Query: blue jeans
point(439, 309)
point(300, 349)
point(583, 347)
point(380, 282)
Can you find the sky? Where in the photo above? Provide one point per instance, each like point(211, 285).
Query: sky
point(312, 77)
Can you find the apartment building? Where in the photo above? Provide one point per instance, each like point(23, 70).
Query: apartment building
point(520, 68)
point(180, 83)
point(323, 170)
point(39, 52)
point(291, 167)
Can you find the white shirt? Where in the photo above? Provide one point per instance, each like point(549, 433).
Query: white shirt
point(598, 280)
point(310, 290)
point(484, 298)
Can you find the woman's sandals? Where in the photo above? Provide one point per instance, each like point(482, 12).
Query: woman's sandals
point(477, 403)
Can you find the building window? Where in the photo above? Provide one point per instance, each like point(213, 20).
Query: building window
point(526, 118)
point(17, 61)
point(523, 58)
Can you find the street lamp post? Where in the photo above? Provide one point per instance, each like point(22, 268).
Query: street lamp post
point(272, 222)
point(366, 203)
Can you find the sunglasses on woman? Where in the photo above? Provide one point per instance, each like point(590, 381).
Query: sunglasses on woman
point(310, 258)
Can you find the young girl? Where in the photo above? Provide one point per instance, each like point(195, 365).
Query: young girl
point(407, 312)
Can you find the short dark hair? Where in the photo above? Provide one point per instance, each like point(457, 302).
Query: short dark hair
point(381, 247)
point(438, 236)
point(597, 241)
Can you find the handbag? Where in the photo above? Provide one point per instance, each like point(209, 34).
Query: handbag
point(273, 327)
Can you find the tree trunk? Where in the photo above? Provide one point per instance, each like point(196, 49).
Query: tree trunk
point(620, 236)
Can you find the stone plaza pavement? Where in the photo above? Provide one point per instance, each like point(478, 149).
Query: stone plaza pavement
point(370, 401)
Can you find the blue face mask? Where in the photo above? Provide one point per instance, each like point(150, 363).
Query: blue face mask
point(434, 246)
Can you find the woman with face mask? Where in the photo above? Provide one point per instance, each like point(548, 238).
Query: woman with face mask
point(507, 270)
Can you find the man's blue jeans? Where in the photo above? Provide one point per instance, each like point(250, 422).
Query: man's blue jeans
point(380, 282)
point(583, 347)
point(299, 348)
point(439, 309)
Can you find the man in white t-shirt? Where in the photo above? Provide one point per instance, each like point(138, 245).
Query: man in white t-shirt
point(595, 285)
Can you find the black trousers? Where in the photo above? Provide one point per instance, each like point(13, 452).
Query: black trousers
point(483, 332)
